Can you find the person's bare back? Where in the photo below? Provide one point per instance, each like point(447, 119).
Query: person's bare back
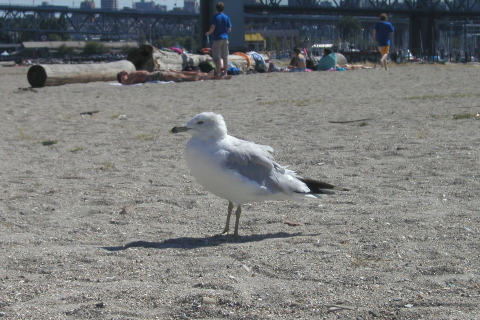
point(126, 77)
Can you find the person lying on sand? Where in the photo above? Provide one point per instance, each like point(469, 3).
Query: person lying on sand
point(142, 76)
point(356, 66)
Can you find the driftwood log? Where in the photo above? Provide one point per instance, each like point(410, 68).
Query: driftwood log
point(146, 57)
point(7, 63)
point(149, 58)
point(59, 74)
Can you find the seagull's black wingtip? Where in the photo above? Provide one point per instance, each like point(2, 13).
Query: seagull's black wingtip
point(317, 187)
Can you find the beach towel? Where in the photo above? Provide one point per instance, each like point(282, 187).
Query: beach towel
point(177, 50)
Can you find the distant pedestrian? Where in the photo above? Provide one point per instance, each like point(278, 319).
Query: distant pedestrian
point(220, 26)
point(381, 34)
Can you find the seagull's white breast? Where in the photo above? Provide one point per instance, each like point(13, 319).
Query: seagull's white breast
point(206, 161)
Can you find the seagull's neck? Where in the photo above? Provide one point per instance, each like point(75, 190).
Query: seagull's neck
point(211, 139)
point(212, 136)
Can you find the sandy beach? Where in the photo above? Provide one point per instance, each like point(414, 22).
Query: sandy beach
point(101, 219)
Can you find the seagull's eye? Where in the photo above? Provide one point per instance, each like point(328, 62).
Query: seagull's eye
point(200, 122)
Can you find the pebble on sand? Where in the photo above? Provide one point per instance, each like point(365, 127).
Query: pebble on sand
point(208, 300)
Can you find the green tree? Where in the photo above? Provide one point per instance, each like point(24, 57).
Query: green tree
point(55, 24)
point(94, 47)
point(54, 37)
point(63, 51)
point(62, 25)
point(272, 44)
point(125, 49)
point(165, 42)
point(141, 39)
point(179, 41)
point(348, 25)
point(24, 35)
point(456, 42)
point(190, 44)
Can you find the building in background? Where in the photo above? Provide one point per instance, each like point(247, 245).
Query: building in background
point(109, 4)
point(191, 6)
point(47, 4)
point(144, 5)
point(149, 6)
point(325, 3)
point(87, 4)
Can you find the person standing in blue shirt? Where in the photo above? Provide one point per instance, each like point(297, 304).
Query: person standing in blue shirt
point(220, 26)
point(381, 33)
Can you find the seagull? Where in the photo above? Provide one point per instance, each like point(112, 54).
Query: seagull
point(240, 171)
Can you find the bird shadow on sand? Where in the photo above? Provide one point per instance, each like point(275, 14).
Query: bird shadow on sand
point(194, 243)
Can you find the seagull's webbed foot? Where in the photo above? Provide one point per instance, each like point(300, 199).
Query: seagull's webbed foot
point(227, 225)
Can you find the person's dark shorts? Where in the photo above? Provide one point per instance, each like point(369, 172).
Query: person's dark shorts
point(157, 76)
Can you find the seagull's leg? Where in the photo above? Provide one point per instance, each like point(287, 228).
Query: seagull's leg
point(227, 225)
point(237, 219)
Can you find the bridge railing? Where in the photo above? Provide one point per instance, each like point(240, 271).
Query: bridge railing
point(317, 6)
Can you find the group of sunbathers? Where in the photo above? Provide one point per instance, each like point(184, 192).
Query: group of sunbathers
point(327, 62)
point(298, 64)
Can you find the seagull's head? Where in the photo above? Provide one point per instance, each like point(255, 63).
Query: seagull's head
point(205, 126)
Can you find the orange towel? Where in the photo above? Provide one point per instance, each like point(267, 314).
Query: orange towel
point(249, 63)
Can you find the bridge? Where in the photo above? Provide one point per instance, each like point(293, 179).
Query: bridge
point(422, 17)
point(126, 23)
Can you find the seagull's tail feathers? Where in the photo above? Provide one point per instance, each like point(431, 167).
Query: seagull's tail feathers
point(319, 187)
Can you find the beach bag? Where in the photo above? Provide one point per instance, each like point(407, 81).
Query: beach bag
point(207, 66)
point(232, 69)
point(311, 62)
point(260, 65)
point(204, 51)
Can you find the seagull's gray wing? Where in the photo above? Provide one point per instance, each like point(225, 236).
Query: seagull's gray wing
point(255, 162)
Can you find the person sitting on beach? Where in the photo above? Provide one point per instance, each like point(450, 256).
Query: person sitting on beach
point(298, 63)
point(327, 61)
point(142, 76)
